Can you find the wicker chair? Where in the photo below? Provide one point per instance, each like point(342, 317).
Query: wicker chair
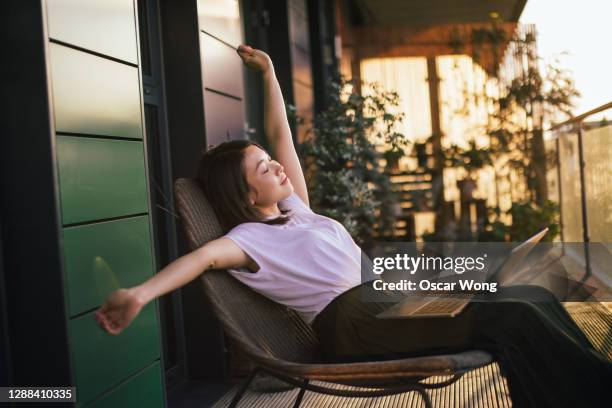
point(282, 345)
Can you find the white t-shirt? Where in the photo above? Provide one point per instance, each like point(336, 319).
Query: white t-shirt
point(304, 263)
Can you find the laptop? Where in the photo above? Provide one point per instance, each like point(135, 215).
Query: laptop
point(438, 305)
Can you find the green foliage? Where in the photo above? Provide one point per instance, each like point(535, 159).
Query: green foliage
point(494, 35)
point(345, 178)
point(482, 36)
point(393, 156)
point(495, 231)
point(518, 113)
point(528, 219)
point(551, 96)
point(470, 159)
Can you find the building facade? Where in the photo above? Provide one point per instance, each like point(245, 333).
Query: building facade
point(113, 101)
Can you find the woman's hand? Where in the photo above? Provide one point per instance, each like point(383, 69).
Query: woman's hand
point(254, 59)
point(120, 309)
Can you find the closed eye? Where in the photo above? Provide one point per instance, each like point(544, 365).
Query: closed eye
point(267, 168)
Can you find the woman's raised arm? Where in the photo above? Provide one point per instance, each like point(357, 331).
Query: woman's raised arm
point(123, 305)
point(276, 125)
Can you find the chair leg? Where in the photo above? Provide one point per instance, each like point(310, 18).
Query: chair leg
point(425, 397)
point(300, 395)
point(242, 389)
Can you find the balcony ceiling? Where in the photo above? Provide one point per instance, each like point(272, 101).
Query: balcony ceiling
point(432, 12)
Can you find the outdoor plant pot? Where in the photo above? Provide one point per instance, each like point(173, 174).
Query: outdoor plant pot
point(466, 189)
point(421, 154)
point(393, 157)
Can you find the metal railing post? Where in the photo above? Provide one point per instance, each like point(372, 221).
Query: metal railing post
point(557, 146)
point(585, 225)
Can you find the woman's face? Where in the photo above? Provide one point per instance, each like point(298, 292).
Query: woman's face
point(266, 177)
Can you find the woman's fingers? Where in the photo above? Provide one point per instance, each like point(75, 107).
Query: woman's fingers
point(244, 48)
point(245, 52)
point(100, 318)
point(111, 327)
point(253, 58)
point(108, 321)
point(118, 311)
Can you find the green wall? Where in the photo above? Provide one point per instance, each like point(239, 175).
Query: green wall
point(97, 108)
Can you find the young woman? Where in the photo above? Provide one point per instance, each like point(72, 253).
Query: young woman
point(279, 247)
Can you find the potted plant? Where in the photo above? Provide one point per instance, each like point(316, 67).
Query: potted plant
point(392, 157)
point(471, 160)
point(420, 150)
point(342, 159)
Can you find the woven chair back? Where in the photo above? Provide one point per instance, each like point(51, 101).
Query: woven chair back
point(259, 325)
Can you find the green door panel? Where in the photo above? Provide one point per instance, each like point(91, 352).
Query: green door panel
point(94, 95)
point(144, 390)
point(100, 178)
point(101, 360)
point(104, 26)
point(102, 257)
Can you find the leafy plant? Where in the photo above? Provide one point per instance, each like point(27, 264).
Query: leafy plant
point(393, 156)
point(495, 231)
point(342, 156)
point(471, 159)
point(516, 134)
point(529, 218)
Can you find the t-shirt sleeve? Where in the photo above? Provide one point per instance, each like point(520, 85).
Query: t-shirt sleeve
point(242, 236)
point(295, 203)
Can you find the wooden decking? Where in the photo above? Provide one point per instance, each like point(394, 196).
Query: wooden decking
point(484, 387)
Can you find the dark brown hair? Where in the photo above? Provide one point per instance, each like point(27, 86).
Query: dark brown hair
point(222, 177)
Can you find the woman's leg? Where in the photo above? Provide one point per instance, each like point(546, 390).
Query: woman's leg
point(548, 305)
point(545, 357)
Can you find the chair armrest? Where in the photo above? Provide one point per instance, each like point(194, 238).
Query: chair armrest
point(447, 364)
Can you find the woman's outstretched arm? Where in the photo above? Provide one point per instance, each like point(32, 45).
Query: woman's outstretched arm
point(276, 125)
point(123, 305)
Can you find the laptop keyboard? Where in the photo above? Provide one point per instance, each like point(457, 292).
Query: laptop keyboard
point(443, 305)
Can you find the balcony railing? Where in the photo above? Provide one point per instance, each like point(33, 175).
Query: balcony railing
point(579, 179)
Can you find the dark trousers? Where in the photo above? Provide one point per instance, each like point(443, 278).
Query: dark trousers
point(545, 357)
